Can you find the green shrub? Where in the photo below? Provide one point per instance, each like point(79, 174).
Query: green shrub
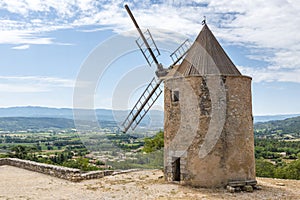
point(264, 168)
point(155, 143)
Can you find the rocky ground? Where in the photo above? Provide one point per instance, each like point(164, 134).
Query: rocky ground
point(18, 183)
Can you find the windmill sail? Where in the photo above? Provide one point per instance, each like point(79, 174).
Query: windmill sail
point(144, 47)
point(145, 42)
point(180, 52)
point(145, 102)
point(153, 91)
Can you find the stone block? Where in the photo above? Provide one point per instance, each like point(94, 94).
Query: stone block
point(247, 188)
point(230, 189)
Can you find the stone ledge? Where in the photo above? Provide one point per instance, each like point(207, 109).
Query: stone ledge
point(242, 183)
point(246, 185)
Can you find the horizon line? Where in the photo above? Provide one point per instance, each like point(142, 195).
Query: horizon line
point(37, 106)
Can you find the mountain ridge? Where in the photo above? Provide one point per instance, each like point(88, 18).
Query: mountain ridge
point(103, 114)
point(34, 123)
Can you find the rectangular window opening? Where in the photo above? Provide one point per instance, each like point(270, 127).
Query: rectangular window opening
point(175, 96)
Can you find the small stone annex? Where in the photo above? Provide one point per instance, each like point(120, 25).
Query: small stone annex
point(209, 140)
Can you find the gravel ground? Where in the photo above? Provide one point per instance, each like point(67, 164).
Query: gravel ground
point(18, 183)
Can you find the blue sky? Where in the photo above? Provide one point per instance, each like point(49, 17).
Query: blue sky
point(45, 45)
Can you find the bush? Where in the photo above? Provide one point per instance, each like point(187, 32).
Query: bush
point(155, 143)
point(80, 163)
point(264, 168)
point(280, 170)
point(289, 171)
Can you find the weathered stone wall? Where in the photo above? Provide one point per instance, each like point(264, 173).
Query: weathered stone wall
point(56, 171)
point(3, 161)
point(210, 129)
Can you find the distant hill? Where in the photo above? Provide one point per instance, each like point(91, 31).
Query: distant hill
point(153, 120)
point(40, 118)
point(34, 123)
point(290, 126)
point(265, 118)
point(33, 111)
point(102, 114)
point(36, 111)
point(20, 116)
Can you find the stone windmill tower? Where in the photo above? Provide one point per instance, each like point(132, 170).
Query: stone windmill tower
point(208, 128)
point(208, 118)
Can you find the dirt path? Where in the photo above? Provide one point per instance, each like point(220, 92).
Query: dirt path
point(18, 183)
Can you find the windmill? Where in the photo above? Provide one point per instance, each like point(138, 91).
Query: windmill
point(150, 51)
point(208, 125)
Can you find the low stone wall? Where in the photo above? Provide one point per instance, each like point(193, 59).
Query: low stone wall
point(3, 161)
point(96, 174)
point(56, 171)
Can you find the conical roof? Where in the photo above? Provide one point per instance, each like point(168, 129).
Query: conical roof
point(207, 57)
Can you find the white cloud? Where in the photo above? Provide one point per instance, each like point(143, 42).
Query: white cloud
point(264, 26)
point(22, 47)
point(20, 88)
point(271, 74)
point(32, 84)
point(22, 37)
point(267, 25)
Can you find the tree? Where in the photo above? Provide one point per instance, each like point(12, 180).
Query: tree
point(289, 171)
point(264, 168)
point(80, 163)
point(49, 147)
point(19, 151)
point(154, 143)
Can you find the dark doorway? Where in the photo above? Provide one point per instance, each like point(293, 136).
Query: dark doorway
point(176, 169)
